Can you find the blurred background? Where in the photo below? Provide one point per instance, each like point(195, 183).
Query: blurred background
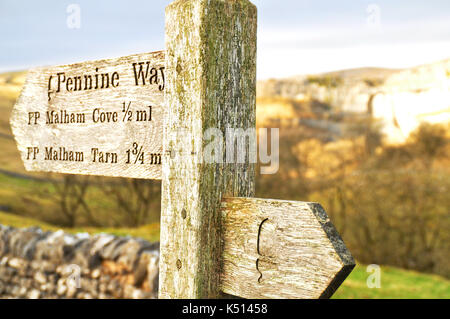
point(359, 89)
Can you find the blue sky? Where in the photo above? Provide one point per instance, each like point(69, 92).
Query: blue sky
point(294, 36)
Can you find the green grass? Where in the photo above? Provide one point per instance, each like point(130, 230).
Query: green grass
point(395, 284)
point(7, 219)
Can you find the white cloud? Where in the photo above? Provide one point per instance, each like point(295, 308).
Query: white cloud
point(298, 50)
point(285, 62)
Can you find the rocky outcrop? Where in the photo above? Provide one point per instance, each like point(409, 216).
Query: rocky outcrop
point(411, 97)
point(37, 264)
point(400, 99)
point(345, 91)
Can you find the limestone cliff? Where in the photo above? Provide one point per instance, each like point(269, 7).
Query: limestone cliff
point(401, 99)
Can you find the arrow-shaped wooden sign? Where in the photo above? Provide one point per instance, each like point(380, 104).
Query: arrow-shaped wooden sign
point(281, 249)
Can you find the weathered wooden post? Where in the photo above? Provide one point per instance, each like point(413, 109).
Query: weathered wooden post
point(211, 83)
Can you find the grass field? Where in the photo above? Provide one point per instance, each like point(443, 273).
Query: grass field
point(395, 284)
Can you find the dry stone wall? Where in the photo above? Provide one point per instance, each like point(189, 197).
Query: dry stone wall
point(37, 264)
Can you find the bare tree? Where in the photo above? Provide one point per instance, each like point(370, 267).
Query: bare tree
point(135, 199)
point(70, 195)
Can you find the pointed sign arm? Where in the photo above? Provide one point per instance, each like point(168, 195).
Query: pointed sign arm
point(281, 249)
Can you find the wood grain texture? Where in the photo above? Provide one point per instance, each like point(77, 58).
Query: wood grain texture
point(70, 121)
point(211, 67)
point(281, 249)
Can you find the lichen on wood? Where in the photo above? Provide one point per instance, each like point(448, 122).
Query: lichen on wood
point(211, 83)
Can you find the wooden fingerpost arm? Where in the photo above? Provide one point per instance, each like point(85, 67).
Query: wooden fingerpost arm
point(281, 249)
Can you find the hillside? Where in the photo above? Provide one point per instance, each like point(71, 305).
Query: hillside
point(345, 90)
point(399, 99)
point(361, 74)
point(10, 86)
point(416, 95)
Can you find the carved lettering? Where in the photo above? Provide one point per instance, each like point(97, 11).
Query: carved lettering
point(64, 117)
point(103, 157)
point(83, 82)
point(62, 154)
point(151, 75)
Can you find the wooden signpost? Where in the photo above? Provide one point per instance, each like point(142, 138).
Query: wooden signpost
point(145, 116)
